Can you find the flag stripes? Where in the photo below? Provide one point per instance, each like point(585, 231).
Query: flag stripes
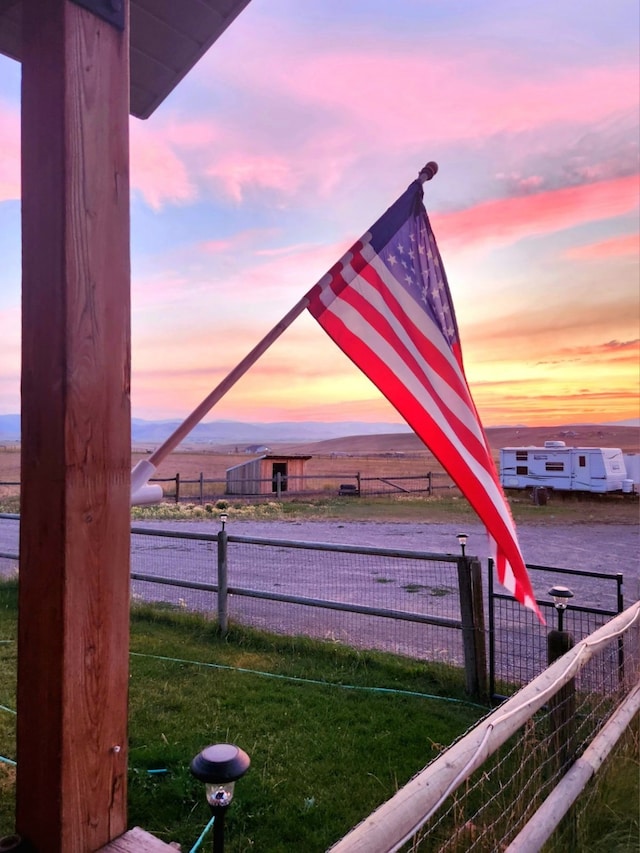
point(407, 346)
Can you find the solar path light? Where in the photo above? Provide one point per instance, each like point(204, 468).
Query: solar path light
point(223, 519)
point(561, 596)
point(462, 541)
point(220, 766)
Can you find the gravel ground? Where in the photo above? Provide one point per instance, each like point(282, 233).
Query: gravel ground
point(609, 548)
point(606, 548)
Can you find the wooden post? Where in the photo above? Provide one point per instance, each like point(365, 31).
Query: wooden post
point(76, 434)
point(472, 615)
point(479, 633)
point(178, 487)
point(562, 706)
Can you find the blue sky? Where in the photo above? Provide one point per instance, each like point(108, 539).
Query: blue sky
point(302, 125)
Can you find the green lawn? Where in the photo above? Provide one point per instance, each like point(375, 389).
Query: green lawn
point(331, 731)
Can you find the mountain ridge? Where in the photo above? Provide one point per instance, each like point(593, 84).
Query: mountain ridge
point(283, 432)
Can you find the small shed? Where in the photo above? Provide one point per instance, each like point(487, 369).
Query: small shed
point(265, 475)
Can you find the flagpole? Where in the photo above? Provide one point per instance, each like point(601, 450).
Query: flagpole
point(146, 467)
point(227, 383)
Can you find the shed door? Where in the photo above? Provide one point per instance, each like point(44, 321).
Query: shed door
point(279, 468)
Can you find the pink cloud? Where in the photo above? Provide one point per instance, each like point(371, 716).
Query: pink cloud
point(616, 247)
point(508, 220)
point(10, 148)
point(237, 173)
point(158, 173)
point(403, 94)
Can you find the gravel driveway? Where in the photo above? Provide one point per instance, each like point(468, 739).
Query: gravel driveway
point(609, 548)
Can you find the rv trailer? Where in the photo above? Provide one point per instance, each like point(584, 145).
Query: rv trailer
point(568, 469)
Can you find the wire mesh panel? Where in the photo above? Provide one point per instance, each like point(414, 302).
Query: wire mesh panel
point(406, 588)
point(486, 809)
point(8, 566)
point(367, 598)
point(518, 640)
point(189, 560)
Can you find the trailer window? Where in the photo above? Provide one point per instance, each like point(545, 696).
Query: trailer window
point(521, 455)
point(522, 470)
point(582, 461)
point(554, 466)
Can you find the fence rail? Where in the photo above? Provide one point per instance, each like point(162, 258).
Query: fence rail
point(502, 794)
point(418, 604)
point(517, 640)
point(406, 602)
point(202, 489)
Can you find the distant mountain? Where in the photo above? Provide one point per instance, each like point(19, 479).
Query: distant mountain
point(235, 432)
point(631, 422)
point(226, 432)
point(238, 432)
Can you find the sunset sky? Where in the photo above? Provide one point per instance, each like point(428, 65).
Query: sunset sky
point(302, 124)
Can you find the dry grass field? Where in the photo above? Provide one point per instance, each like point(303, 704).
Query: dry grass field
point(388, 455)
point(399, 454)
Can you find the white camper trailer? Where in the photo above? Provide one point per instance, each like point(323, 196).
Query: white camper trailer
point(569, 469)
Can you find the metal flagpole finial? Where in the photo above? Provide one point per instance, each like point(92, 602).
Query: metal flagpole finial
point(428, 171)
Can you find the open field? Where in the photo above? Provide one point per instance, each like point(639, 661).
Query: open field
point(399, 454)
point(389, 455)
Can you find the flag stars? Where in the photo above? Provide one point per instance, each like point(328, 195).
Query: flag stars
point(392, 260)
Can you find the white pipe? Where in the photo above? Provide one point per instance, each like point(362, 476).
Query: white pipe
point(397, 820)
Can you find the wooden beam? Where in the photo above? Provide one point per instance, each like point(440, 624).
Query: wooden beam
point(139, 841)
point(74, 533)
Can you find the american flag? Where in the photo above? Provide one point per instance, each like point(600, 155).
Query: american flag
point(387, 305)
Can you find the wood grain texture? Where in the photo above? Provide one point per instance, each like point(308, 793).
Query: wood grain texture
point(74, 540)
point(138, 841)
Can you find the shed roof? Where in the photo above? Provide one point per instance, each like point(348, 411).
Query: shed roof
point(167, 38)
point(273, 457)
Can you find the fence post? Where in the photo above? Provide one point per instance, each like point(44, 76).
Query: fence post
point(492, 630)
point(620, 608)
point(562, 710)
point(430, 487)
point(472, 614)
point(201, 488)
point(178, 487)
point(562, 704)
point(359, 483)
point(223, 597)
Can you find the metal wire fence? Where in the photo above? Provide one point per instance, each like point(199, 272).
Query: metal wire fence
point(499, 799)
point(8, 565)
point(510, 783)
point(404, 602)
point(518, 640)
